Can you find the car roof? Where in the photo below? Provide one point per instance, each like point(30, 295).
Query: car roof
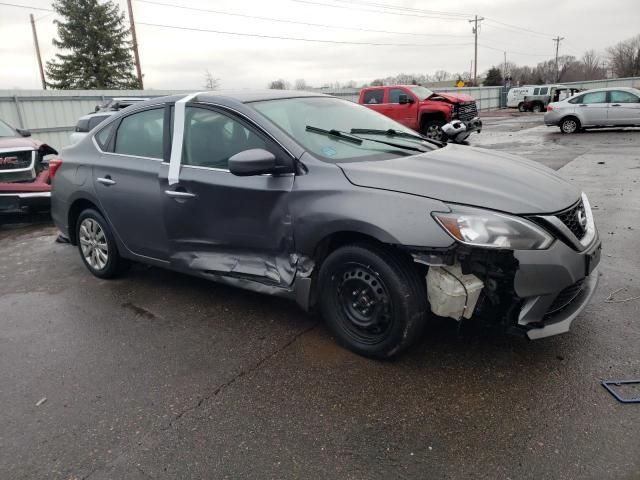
point(605, 89)
point(237, 96)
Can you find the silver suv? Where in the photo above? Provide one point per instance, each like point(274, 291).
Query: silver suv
point(602, 107)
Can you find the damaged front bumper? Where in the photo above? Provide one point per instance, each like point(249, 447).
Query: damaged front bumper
point(556, 285)
point(18, 201)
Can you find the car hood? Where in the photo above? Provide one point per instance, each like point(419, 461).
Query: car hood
point(24, 142)
point(454, 97)
point(469, 176)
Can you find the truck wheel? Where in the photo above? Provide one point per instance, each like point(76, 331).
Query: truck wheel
point(521, 107)
point(372, 299)
point(537, 108)
point(97, 245)
point(433, 129)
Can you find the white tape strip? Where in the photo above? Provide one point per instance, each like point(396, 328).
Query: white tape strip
point(178, 137)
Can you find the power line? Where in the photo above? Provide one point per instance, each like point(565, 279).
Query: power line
point(406, 9)
point(515, 53)
point(300, 39)
point(309, 24)
point(518, 28)
point(349, 7)
point(27, 7)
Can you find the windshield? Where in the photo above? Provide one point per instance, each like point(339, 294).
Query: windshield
point(293, 115)
point(6, 130)
point(421, 92)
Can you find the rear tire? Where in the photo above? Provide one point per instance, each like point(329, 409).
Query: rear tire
point(433, 129)
point(570, 125)
point(97, 245)
point(537, 108)
point(373, 300)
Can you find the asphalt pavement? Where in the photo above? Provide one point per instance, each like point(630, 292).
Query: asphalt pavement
point(161, 375)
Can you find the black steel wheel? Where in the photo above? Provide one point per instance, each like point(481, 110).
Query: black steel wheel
point(373, 299)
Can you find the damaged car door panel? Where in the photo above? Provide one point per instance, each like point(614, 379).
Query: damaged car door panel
point(378, 235)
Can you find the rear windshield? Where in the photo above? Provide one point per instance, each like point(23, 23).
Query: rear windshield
point(293, 115)
point(6, 130)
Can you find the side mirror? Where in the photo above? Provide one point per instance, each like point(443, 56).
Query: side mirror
point(404, 99)
point(252, 162)
point(23, 132)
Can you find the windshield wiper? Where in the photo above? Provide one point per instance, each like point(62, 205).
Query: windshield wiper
point(335, 133)
point(359, 140)
point(395, 133)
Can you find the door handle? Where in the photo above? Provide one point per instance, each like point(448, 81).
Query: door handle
point(178, 194)
point(583, 105)
point(106, 180)
point(616, 105)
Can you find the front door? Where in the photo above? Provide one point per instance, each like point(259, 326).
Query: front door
point(624, 108)
point(406, 113)
point(126, 181)
point(220, 223)
point(592, 108)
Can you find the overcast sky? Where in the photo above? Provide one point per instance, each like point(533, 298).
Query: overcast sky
point(177, 59)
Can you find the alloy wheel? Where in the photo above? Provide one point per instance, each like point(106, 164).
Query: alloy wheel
point(434, 132)
point(93, 244)
point(569, 126)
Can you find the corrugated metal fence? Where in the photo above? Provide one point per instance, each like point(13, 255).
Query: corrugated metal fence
point(52, 114)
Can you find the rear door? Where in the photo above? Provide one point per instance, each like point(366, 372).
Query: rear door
point(220, 223)
point(374, 99)
point(624, 108)
point(126, 180)
point(592, 108)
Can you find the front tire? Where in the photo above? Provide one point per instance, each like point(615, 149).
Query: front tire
point(97, 245)
point(570, 125)
point(433, 129)
point(521, 107)
point(372, 299)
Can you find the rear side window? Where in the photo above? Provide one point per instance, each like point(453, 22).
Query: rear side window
point(82, 126)
point(103, 136)
point(620, 96)
point(141, 134)
point(594, 97)
point(372, 97)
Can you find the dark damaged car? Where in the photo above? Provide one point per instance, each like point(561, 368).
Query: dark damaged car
point(24, 172)
point(324, 201)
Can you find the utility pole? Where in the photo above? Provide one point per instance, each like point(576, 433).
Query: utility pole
point(558, 39)
point(504, 68)
point(35, 41)
point(475, 57)
point(135, 44)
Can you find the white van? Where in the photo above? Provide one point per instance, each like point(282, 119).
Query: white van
point(516, 95)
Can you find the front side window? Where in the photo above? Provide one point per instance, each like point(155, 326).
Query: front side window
point(372, 97)
point(536, 91)
point(141, 134)
point(211, 138)
point(620, 96)
point(594, 97)
point(394, 95)
point(293, 115)
point(544, 90)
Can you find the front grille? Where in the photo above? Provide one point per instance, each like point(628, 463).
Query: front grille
point(575, 219)
point(467, 111)
point(17, 166)
point(566, 296)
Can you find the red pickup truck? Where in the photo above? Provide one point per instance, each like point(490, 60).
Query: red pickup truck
point(421, 109)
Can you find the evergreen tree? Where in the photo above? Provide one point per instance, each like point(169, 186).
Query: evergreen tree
point(99, 50)
point(493, 78)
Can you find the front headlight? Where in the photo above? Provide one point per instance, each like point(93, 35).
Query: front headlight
point(482, 228)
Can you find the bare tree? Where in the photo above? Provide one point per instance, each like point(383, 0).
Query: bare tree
point(591, 66)
point(441, 76)
point(279, 84)
point(301, 84)
point(624, 57)
point(211, 83)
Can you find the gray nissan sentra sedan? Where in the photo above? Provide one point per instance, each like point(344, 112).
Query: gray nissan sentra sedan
point(329, 203)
